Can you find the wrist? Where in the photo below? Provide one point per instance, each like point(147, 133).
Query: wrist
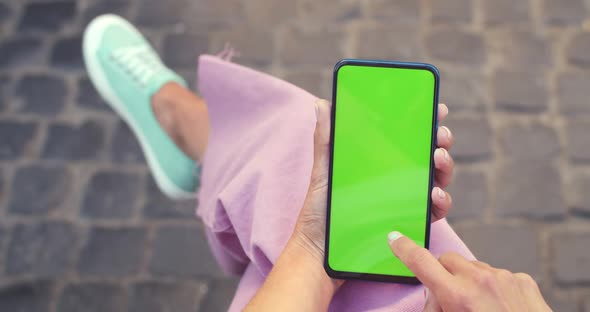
point(297, 281)
point(312, 258)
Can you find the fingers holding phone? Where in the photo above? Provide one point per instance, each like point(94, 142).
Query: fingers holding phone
point(441, 203)
point(443, 162)
point(444, 167)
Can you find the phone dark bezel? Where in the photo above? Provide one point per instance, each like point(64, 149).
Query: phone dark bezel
point(389, 64)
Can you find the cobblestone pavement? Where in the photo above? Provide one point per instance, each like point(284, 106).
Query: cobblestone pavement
point(83, 227)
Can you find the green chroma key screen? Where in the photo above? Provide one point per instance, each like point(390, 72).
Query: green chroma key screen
point(381, 165)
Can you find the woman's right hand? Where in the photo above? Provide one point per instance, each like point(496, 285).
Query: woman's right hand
point(457, 284)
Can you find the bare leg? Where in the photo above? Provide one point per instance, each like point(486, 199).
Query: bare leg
point(183, 115)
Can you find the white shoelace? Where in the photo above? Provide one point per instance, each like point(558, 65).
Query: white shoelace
point(140, 63)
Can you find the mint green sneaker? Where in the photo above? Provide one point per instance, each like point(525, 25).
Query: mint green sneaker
point(127, 72)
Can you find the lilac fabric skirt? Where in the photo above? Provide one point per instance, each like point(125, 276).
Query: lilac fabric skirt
point(256, 173)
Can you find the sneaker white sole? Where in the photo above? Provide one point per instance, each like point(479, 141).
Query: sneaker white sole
point(92, 39)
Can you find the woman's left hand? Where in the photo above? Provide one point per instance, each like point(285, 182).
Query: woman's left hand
point(298, 281)
point(311, 225)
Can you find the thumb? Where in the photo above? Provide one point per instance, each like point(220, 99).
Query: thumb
point(321, 145)
point(322, 130)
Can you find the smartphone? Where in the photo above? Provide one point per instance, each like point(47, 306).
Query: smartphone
point(384, 123)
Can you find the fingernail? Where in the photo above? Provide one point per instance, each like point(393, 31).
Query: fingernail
point(393, 236)
point(447, 131)
point(446, 154)
point(426, 293)
point(438, 151)
point(441, 193)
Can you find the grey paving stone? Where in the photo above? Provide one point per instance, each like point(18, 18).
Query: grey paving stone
point(473, 138)
point(42, 249)
point(111, 195)
point(520, 92)
point(71, 142)
point(457, 47)
point(158, 206)
point(577, 51)
point(401, 10)
point(220, 295)
point(182, 251)
point(89, 98)
point(587, 305)
point(578, 141)
point(451, 11)
point(530, 189)
point(154, 13)
point(5, 12)
point(166, 296)
point(470, 195)
point(382, 42)
point(579, 201)
point(4, 235)
point(255, 48)
point(330, 10)
point(99, 7)
point(16, 138)
point(5, 84)
point(525, 142)
point(67, 53)
point(512, 247)
point(125, 147)
point(573, 93)
point(570, 257)
point(264, 14)
point(505, 12)
point(522, 50)
point(47, 16)
point(463, 91)
point(33, 296)
point(92, 297)
point(564, 12)
point(182, 50)
point(113, 252)
point(39, 190)
point(211, 15)
point(294, 48)
point(20, 52)
point(42, 94)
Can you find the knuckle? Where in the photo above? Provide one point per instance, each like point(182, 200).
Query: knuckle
point(417, 257)
point(460, 298)
point(319, 180)
point(444, 258)
point(504, 276)
point(485, 278)
point(526, 280)
point(447, 257)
